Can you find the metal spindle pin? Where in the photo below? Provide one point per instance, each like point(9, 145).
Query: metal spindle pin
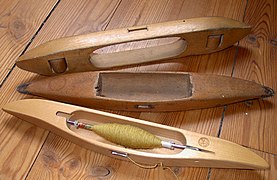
point(179, 146)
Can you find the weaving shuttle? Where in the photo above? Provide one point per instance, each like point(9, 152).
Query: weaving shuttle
point(184, 37)
point(146, 91)
point(53, 116)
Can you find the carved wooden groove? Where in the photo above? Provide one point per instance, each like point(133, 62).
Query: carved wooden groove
point(52, 116)
point(146, 91)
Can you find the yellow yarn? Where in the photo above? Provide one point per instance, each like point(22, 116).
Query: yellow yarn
point(127, 136)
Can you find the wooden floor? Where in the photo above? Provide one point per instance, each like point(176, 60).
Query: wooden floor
point(27, 151)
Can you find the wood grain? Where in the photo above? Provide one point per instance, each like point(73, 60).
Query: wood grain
point(269, 174)
point(66, 22)
point(256, 61)
point(19, 20)
point(77, 53)
point(226, 154)
point(145, 91)
point(131, 13)
point(63, 159)
point(21, 141)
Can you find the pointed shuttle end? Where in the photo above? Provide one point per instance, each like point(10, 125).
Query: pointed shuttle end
point(9, 107)
point(22, 88)
point(269, 92)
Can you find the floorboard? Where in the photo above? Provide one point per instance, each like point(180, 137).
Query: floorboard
point(33, 152)
point(253, 124)
point(19, 22)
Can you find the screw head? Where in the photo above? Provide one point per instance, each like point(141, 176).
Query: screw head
point(204, 142)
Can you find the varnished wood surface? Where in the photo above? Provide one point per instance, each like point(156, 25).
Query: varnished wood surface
point(36, 155)
point(222, 154)
point(150, 91)
point(193, 36)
